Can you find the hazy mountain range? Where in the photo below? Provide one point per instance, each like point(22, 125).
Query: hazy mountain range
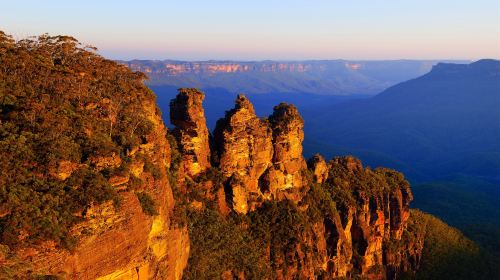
point(326, 77)
point(442, 123)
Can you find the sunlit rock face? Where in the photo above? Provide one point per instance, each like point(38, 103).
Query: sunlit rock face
point(376, 217)
point(258, 160)
point(245, 150)
point(288, 163)
point(261, 158)
point(317, 165)
point(187, 114)
point(124, 242)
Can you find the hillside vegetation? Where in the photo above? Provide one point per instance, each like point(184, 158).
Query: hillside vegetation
point(448, 254)
point(441, 124)
point(62, 108)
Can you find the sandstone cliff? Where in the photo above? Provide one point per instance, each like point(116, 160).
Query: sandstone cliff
point(334, 219)
point(84, 160)
point(124, 242)
point(260, 159)
point(245, 151)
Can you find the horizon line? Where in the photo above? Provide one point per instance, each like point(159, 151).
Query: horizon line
point(304, 60)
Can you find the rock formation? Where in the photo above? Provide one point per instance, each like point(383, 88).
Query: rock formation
point(260, 158)
point(363, 237)
point(245, 150)
point(187, 114)
point(317, 165)
point(288, 163)
point(377, 216)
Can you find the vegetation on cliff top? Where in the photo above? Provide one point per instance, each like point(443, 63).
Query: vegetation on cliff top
point(448, 254)
point(68, 119)
point(278, 233)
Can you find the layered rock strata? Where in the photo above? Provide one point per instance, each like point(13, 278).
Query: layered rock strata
point(187, 114)
point(123, 242)
point(260, 159)
point(288, 164)
point(245, 149)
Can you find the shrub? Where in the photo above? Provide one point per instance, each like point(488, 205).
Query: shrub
point(148, 205)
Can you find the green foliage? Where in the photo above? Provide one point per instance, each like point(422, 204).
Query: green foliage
point(148, 205)
point(175, 161)
point(448, 254)
point(470, 204)
point(221, 244)
point(60, 102)
point(152, 168)
point(281, 226)
point(320, 203)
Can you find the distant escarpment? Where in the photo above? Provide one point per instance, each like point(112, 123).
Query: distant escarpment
point(325, 77)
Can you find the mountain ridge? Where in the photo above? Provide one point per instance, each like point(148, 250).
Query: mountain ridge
point(326, 77)
point(439, 112)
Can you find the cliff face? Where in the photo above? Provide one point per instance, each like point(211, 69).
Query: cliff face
point(85, 195)
point(351, 218)
point(123, 243)
point(335, 77)
point(360, 236)
point(179, 68)
point(89, 173)
point(260, 159)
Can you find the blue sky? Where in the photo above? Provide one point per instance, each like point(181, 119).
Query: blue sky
point(267, 29)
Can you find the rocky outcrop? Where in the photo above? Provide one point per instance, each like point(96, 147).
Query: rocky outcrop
point(317, 165)
point(361, 233)
point(376, 217)
point(260, 159)
point(187, 114)
point(245, 151)
point(288, 163)
point(90, 173)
